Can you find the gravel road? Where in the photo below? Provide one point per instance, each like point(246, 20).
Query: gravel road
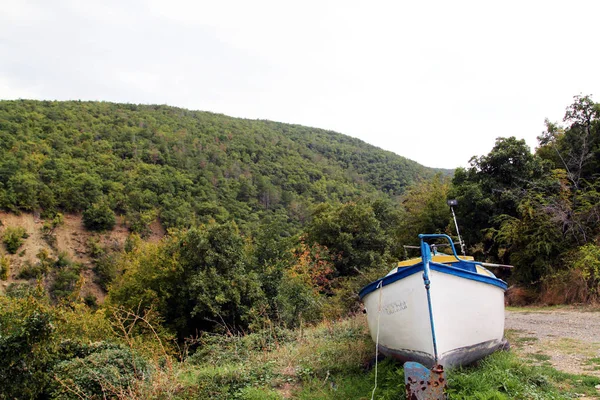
point(567, 338)
point(560, 323)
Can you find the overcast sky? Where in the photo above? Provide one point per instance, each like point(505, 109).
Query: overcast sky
point(434, 81)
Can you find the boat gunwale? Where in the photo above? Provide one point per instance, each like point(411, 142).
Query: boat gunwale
point(402, 273)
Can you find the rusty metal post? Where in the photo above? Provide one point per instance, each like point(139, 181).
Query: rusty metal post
point(424, 384)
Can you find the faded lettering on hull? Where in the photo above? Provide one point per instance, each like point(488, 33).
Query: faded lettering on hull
point(395, 307)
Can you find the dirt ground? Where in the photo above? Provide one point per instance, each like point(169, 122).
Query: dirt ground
point(71, 238)
point(568, 338)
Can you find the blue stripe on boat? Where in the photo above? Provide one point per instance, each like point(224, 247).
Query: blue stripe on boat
point(404, 272)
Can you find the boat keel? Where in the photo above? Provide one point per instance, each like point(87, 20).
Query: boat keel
point(458, 357)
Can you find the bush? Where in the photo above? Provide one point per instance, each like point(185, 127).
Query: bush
point(106, 373)
point(63, 260)
point(233, 381)
point(32, 271)
point(38, 270)
point(297, 301)
point(140, 221)
point(587, 260)
point(49, 227)
point(66, 282)
point(99, 217)
point(13, 238)
point(91, 301)
point(106, 271)
point(4, 267)
point(95, 248)
point(580, 283)
point(22, 290)
point(26, 347)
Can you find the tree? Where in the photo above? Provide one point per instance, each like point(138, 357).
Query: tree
point(99, 217)
point(426, 210)
point(223, 287)
point(27, 347)
point(196, 279)
point(353, 234)
point(576, 148)
point(491, 189)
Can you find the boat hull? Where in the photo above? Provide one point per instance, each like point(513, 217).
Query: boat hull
point(468, 316)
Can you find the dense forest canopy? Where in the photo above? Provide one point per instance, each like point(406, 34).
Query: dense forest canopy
point(181, 166)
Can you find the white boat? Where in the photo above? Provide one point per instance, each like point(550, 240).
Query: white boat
point(437, 310)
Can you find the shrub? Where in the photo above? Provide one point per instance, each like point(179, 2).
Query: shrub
point(38, 270)
point(107, 373)
point(66, 282)
point(580, 283)
point(22, 290)
point(91, 301)
point(4, 267)
point(48, 229)
point(95, 248)
point(99, 217)
point(13, 238)
point(139, 221)
point(106, 271)
point(30, 271)
point(519, 296)
point(63, 260)
point(587, 260)
point(26, 347)
point(303, 286)
point(297, 301)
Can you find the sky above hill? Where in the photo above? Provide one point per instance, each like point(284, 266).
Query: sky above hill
point(434, 81)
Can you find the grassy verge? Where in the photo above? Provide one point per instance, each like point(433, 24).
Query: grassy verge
point(328, 362)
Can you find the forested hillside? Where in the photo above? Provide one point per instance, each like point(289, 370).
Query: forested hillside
point(183, 167)
point(270, 227)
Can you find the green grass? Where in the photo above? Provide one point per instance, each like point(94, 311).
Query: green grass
point(518, 338)
point(526, 339)
point(540, 357)
point(327, 362)
point(498, 377)
point(593, 363)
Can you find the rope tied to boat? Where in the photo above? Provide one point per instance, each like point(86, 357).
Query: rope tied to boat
point(379, 286)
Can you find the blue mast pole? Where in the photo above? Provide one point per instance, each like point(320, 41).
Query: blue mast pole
point(426, 257)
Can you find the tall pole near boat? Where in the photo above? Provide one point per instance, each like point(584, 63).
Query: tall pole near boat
point(453, 203)
point(420, 382)
point(426, 257)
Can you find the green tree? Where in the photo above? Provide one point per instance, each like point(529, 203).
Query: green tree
point(195, 280)
point(223, 285)
point(426, 209)
point(27, 348)
point(353, 233)
point(99, 217)
point(576, 148)
point(491, 189)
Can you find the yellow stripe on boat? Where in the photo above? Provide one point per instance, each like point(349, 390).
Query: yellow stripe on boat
point(443, 259)
point(483, 271)
point(439, 258)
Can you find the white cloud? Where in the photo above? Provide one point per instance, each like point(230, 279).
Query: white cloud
point(434, 81)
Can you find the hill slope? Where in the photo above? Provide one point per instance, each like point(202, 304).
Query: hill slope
point(159, 161)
